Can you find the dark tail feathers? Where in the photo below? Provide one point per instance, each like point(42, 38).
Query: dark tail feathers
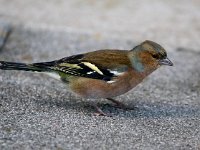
point(38, 67)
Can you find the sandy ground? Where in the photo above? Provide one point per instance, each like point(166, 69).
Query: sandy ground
point(37, 112)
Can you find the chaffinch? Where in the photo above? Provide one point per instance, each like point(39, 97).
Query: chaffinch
point(103, 73)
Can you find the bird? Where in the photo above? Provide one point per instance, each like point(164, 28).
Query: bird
point(105, 73)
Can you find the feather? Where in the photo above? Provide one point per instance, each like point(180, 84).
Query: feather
point(104, 66)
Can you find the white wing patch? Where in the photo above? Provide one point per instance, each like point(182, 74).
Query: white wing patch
point(112, 81)
point(116, 73)
point(90, 72)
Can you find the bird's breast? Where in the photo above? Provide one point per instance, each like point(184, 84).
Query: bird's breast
point(93, 88)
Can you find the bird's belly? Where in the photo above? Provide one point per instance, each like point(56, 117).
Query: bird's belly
point(92, 88)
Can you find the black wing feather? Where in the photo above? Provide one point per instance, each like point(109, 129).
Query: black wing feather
point(82, 69)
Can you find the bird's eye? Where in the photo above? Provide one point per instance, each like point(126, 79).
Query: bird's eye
point(155, 56)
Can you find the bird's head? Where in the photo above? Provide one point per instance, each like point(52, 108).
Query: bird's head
point(148, 56)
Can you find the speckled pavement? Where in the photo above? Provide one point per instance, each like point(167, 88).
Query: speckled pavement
point(38, 112)
point(5, 31)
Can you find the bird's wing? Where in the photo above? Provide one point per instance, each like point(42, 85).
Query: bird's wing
point(84, 65)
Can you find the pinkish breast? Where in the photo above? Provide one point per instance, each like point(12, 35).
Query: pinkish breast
point(93, 88)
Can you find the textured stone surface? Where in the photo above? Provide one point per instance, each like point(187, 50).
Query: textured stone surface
point(168, 22)
point(5, 30)
point(37, 112)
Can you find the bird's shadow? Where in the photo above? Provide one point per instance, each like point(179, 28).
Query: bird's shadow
point(141, 110)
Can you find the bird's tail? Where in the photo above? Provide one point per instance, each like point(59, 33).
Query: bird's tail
point(38, 67)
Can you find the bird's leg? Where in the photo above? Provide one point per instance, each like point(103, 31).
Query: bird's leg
point(100, 111)
point(119, 104)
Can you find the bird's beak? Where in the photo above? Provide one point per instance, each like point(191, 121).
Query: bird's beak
point(165, 61)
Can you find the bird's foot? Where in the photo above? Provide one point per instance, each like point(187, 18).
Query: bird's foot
point(120, 105)
point(100, 112)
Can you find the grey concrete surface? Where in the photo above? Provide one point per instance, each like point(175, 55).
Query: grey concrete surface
point(168, 22)
point(37, 112)
point(5, 30)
